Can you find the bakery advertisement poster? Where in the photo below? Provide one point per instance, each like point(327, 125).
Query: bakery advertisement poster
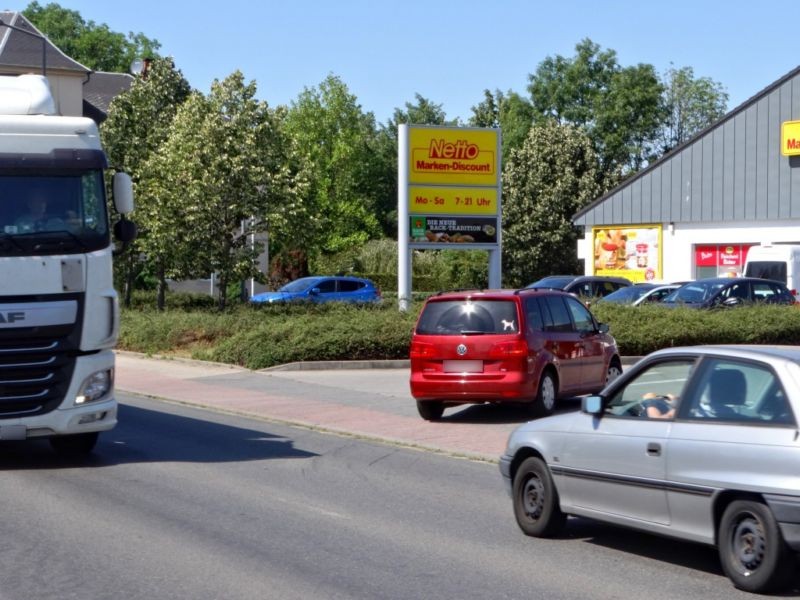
point(633, 252)
point(453, 230)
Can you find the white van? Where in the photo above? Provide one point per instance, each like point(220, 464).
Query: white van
point(779, 262)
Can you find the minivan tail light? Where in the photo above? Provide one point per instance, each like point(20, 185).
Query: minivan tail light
point(421, 350)
point(510, 349)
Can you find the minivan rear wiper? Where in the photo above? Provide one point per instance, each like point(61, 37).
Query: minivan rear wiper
point(472, 332)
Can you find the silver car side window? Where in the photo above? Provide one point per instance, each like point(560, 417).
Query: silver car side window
point(736, 391)
point(653, 393)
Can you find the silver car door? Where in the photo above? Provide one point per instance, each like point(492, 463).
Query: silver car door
point(736, 430)
point(616, 464)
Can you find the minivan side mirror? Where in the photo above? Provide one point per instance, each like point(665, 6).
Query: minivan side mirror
point(602, 327)
point(592, 405)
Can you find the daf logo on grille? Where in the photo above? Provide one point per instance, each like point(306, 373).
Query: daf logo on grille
point(461, 349)
point(12, 316)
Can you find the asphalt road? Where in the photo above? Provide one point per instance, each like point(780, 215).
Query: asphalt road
point(185, 503)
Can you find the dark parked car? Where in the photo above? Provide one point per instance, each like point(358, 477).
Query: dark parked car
point(641, 293)
point(586, 286)
point(523, 346)
point(729, 291)
point(323, 289)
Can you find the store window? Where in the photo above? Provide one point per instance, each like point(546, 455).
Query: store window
point(719, 260)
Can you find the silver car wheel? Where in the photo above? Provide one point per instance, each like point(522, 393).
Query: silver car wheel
point(533, 497)
point(749, 543)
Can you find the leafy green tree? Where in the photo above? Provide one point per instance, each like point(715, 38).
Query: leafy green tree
point(692, 104)
point(621, 109)
point(93, 45)
point(421, 112)
point(138, 123)
point(545, 182)
point(512, 113)
point(222, 174)
point(337, 140)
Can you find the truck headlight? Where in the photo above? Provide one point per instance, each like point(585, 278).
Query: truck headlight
point(95, 386)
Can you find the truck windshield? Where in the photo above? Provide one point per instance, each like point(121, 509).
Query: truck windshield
point(56, 213)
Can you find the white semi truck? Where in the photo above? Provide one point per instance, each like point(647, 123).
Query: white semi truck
point(59, 315)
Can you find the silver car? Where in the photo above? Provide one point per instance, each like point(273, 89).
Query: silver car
point(698, 443)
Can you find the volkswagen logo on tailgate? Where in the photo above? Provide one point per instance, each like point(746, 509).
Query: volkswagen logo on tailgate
point(461, 349)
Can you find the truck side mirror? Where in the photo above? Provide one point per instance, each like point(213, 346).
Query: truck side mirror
point(123, 193)
point(125, 231)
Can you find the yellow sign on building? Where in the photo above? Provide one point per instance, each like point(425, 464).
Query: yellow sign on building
point(790, 138)
point(452, 200)
point(453, 156)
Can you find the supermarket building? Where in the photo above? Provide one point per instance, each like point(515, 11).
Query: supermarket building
point(695, 212)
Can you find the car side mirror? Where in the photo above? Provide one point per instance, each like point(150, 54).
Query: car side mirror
point(592, 405)
point(314, 291)
point(602, 327)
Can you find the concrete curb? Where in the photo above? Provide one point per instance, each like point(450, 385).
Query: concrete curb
point(315, 365)
point(324, 365)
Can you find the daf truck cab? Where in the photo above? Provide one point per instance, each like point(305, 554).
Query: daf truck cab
point(59, 315)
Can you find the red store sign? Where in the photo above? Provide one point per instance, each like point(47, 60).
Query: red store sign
point(720, 255)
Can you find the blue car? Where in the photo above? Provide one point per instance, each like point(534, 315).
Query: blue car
point(323, 289)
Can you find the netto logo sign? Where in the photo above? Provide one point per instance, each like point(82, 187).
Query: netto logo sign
point(460, 150)
point(12, 316)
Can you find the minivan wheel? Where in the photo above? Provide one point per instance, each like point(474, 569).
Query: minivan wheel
point(430, 410)
point(536, 506)
point(545, 400)
point(751, 549)
point(614, 371)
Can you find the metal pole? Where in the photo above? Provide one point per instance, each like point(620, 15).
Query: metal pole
point(403, 251)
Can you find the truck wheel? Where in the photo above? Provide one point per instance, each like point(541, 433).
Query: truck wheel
point(536, 504)
point(76, 445)
point(430, 410)
point(751, 548)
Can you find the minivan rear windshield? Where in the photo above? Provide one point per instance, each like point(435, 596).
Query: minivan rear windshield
point(469, 317)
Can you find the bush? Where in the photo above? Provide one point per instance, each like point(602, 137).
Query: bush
point(643, 329)
point(262, 336)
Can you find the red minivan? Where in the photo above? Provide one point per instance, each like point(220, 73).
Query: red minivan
point(525, 346)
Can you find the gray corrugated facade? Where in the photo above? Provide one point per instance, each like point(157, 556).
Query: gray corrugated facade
point(731, 172)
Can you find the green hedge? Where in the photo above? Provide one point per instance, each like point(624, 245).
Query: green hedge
point(641, 330)
point(263, 336)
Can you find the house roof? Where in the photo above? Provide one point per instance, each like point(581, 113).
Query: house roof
point(581, 214)
point(21, 52)
point(100, 89)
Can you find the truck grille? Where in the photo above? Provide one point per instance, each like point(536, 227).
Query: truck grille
point(36, 365)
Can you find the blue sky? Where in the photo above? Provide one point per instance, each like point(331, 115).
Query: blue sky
point(387, 51)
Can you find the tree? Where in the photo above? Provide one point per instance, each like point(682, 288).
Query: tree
point(512, 113)
point(336, 140)
point(221, 175)
point(621, 109)
point(138, 122)
point(421, 112)
point(691, 105)
point(92, 45)
point(545, 183)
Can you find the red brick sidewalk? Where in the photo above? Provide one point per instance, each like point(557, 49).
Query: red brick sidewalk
point(258, 394)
